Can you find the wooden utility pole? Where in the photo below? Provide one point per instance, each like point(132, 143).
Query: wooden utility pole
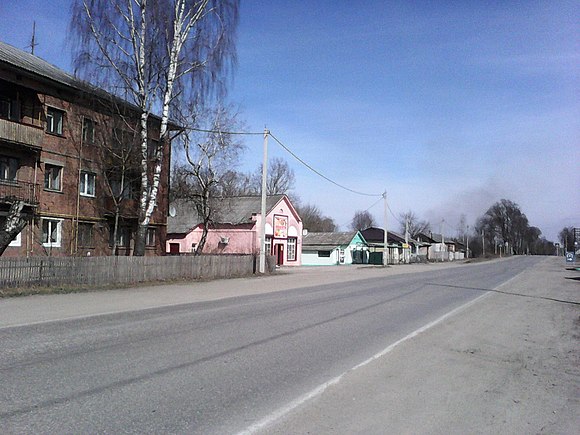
point(263, 209)
point(385, 236)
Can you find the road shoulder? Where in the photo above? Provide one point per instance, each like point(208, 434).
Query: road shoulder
point(507, 364)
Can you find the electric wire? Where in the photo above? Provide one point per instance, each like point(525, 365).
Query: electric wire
point(375, 203)
point(393, 214)
point(246, 133)
point(289, 151)
point(319, 173)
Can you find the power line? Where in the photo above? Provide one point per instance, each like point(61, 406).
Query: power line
point(247, 133)
point(375, 203)
point(289, 151)
point(393, 214)
point(318, 173)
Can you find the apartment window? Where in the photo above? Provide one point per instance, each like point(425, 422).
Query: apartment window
point(85, 234)
point(5, 108)
point(54, 118)
point(9, 108)
point(268, 245)
point(129, 189)
point(124, 139)
point(123, 236)
point(88, 130)
point(87, 186)
point(152, 146)
point(8, 168)
point(291, 252)
point(150, 237)
point(52, 177)
point(51, 232)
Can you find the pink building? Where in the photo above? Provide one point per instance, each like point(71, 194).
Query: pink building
point(236, 228)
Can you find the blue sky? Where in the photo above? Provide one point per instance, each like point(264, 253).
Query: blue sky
point(449, 106)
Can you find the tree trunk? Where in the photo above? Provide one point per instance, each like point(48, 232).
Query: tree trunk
point(15, 223)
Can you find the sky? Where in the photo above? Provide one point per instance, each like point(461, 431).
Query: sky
point(448, 106)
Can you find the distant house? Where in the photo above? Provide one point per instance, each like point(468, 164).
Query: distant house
point(399, 251)
point(424, 243)
point(325, 249)
point(236, 230)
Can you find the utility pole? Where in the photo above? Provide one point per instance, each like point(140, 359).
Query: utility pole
point(263, 209)
point(385, 235)
point(482, 244)
point(467, 252)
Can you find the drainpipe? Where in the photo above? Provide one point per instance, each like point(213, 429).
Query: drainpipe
point(75, 226)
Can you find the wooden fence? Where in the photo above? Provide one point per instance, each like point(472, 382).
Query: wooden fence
point(103, 271)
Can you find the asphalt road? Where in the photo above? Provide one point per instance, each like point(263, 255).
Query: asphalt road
point(217, 366)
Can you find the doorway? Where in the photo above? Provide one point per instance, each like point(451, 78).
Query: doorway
point(279, 253)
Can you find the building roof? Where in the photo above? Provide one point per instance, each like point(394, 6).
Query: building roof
point(35, 65)
point(377, 235)
point(42, 70)
point(425, 238)
point(237, 210)
point(327, 241)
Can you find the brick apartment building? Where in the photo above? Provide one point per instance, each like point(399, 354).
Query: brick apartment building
point(68, 151)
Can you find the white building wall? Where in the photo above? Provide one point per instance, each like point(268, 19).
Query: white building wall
point(311, 258)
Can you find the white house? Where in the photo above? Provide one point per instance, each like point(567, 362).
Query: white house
point(325, 249)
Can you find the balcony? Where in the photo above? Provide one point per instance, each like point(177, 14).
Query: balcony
point(11, 191)
point(11, 131)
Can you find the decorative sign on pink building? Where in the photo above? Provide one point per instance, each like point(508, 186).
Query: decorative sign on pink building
point(280, 227)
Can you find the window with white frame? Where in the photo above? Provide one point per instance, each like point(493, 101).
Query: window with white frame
point(51, 232)
point(291, 252)
point(88, 130)
point(54, 120)
point(268, 245)
point(52, 177)
point(87, 185)
point(8, 168)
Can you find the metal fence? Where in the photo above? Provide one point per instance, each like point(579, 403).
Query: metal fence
point(103, 271)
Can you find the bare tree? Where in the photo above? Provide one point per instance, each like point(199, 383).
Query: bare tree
point(504, 223)
point(119, 151)
point(280, 180)
point(411, 223)
point(462, 227)
point(144, 51)
point(566, 237)
point(210, 156)
point(280, 177)
point(313, 219)
point(362, 220)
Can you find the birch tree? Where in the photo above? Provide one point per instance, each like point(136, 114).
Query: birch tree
point(154, 54)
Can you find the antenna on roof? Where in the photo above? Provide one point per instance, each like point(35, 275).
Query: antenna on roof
point(33, 42)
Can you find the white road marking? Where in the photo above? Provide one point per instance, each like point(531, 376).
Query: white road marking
point(281, 412)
